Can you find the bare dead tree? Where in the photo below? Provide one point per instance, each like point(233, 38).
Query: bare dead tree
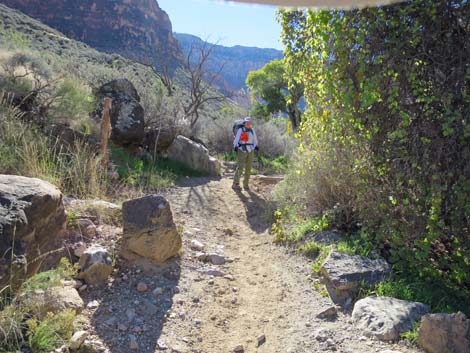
point(202, 80)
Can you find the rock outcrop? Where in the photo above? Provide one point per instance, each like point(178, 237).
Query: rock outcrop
point(194, 156)
point(149, 230)
point(32, 219)
point(139, 30)
point(386, 318)
point(344, 273)
point(445, 333)
point(127, 114)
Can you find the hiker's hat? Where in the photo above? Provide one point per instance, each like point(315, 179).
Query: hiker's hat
point(247, 120)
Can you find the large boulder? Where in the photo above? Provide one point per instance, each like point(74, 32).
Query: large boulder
point(445, 333)
point(386, 318)
point(95, 265)
point(194, 156)
point(32, 221)
point(149, 230)
point(52, 300)
point(127, 114)
point(344, 273)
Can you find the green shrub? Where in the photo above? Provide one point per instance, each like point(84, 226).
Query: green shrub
point(51, 278)
point(12, 328)
point(384, 145)
point(74, 169)
point(310, 249)
point(52, 332)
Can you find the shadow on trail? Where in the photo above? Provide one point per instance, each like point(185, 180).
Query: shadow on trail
point(123, 312)
point(256, 209)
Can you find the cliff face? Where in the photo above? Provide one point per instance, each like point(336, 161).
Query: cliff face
point(136, 29)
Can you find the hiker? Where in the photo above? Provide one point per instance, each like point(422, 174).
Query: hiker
point(245, 143)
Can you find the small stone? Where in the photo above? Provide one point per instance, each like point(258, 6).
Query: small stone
point(122, 327)
point(211, 282)
point(157, 291)
point(329, 313)
point(133, 345)
point(216, 259)
point(182, 316)
point(130, 313)
point(93, 304)
point(77, 339)
point(83, 288)
point(239, 349)
point(229, 277)
point(198, 322)
point(197, 245)
point(79, 249)
point(161, 345)
point(142, 287)
point(77, 284)
point(228, 232)
point(261, 340)
point(196, 300)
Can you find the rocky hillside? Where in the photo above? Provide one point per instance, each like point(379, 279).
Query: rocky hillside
point(138, 30)
point(237, 61)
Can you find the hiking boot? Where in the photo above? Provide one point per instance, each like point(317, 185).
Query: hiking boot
point(236, 186)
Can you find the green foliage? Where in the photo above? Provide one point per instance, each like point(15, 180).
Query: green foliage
point(51, 278)
point(273, 93)
point(52, 332)
point(74, 168)
point(310, 249)
point(13, 39)
point(11, 328)
point(73, 101)
point(413, 335)
point(276, 165)
point(148, 173)
point(384, 142)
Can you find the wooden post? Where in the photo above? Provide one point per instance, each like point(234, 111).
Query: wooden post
point(105, 131)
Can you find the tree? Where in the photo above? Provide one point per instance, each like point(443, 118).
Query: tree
point(271, 92)
point(201, 81)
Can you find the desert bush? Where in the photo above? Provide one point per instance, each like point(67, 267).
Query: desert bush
point(384, 136)
point(74, 169)
point(12, 328)
point(52, 332)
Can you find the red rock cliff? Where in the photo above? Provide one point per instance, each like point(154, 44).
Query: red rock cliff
point(136, 29)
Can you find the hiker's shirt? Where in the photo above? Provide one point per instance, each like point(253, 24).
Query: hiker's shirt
point(245, 140)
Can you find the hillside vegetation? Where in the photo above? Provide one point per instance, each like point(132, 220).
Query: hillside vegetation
point(385, 140)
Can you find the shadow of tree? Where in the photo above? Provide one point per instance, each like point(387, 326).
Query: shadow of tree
point(124, 312)
point(255, 208)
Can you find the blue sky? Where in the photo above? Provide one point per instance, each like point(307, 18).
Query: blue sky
point(224, 22)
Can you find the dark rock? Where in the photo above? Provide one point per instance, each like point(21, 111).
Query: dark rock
point(344, 273)
point(32, 221)
point(127, 115)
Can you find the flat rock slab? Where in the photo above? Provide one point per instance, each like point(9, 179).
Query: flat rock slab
point(344, 273)
point(440, 333)
point(386, 318)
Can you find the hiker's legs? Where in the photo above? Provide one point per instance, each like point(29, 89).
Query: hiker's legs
point(240, 167)
point(248, 165)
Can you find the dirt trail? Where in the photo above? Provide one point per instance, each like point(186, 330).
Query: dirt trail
point(268, 291)
point(263, 289)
